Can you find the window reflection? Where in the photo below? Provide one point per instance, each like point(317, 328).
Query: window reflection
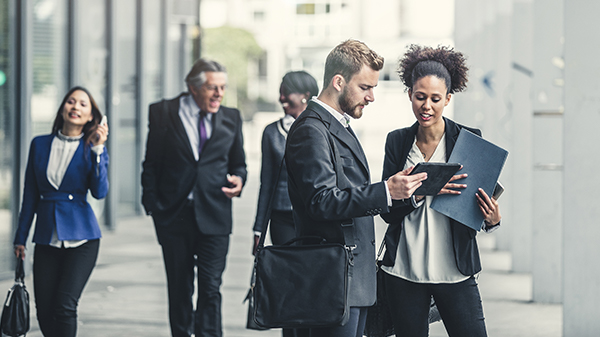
point(6, 136)
point(49, 59)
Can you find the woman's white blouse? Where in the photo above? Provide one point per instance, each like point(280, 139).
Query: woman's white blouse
point(425, 252)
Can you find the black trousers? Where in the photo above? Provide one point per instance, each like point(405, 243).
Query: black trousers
point(282, 230)
point(353, 328)
point(184, 248)
point(459, 305)
point(59, 276)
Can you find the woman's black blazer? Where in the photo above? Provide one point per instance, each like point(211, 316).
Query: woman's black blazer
point(397, 147)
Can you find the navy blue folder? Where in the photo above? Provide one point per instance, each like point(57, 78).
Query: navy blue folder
point(483, 162)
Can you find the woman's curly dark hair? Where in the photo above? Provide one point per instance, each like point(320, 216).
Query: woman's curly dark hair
point(443, 62)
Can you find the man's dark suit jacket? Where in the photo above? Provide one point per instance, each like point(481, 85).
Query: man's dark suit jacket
point(322, 198)
point(397, 146)
point(170, 171)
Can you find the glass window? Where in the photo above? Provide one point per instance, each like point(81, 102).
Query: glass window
point(306, 8)
point(262, 65)
point(124, 117)
point(152, 11)
point(259, 16)
point(7, 135)
point(92, 49)
point(49, 57)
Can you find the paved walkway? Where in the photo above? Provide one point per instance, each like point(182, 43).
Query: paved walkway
point(126, 295)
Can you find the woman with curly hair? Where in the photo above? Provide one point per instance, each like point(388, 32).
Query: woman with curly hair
point(429, 254)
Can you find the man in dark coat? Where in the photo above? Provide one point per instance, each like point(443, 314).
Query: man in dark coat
point(195, 164)
point(326, 192)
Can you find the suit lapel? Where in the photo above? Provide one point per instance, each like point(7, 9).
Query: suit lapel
point(408, 141)
point(45, 159)
point(343, 135)
point(452, 131)
point(178, 128)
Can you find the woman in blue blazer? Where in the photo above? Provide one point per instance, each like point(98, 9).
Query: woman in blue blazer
point(429, 254)
point(61, 168)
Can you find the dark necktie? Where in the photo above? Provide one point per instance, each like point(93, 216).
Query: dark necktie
point(351, 132)
point(201, 131)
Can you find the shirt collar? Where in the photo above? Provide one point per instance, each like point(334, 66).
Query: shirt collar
point(287, 121)
point(193, 107)
point(68, 138)
point(344, 118)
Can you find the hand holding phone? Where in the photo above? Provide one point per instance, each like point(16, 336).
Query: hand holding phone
point(102, 131)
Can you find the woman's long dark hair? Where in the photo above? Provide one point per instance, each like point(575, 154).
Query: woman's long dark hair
point(90, 127)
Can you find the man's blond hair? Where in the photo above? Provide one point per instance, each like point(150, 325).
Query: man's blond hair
point(347, 59)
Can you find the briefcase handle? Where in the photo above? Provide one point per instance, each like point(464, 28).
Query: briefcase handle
point(19, 271)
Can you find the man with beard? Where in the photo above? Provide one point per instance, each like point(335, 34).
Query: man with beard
point(327, 194)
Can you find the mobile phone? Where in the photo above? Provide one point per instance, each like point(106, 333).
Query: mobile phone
point(498, 190)
point(104, 120)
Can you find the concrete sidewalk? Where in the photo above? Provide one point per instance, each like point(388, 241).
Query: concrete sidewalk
point(126, 294)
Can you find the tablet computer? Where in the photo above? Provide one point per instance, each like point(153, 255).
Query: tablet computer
point(438, 175)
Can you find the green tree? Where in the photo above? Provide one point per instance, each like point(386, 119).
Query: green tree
point(234, 48)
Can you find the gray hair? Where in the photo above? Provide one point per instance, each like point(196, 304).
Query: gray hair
point(197, 75)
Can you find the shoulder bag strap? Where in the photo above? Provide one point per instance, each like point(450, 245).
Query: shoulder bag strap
point(263, 233)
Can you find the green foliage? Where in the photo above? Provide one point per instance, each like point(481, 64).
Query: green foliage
point(234, 48)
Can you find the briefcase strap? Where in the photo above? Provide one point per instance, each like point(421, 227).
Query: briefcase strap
point(261, 240)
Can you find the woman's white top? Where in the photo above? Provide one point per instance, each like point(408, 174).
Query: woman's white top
point(425, 252)
point(61, 153)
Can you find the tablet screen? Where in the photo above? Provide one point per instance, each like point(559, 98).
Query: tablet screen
point(438, 175)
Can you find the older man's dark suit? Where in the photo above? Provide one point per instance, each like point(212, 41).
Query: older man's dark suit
point(323, 198)
point(170, 173)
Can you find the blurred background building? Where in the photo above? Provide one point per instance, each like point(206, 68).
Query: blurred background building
point(533, 90)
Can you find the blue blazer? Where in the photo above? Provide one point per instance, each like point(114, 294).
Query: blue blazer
point(65, 209)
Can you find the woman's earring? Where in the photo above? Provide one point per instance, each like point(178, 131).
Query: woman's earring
point(304, 101)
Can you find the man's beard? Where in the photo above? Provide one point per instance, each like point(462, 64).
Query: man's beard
point(347, 107)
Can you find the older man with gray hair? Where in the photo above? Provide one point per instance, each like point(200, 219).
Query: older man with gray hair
point(194, 165)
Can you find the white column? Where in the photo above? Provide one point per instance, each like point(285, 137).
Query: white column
point(581, 270)
point(469, 23)
point(519, 187)
point(498, 119)
point(548, 107)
